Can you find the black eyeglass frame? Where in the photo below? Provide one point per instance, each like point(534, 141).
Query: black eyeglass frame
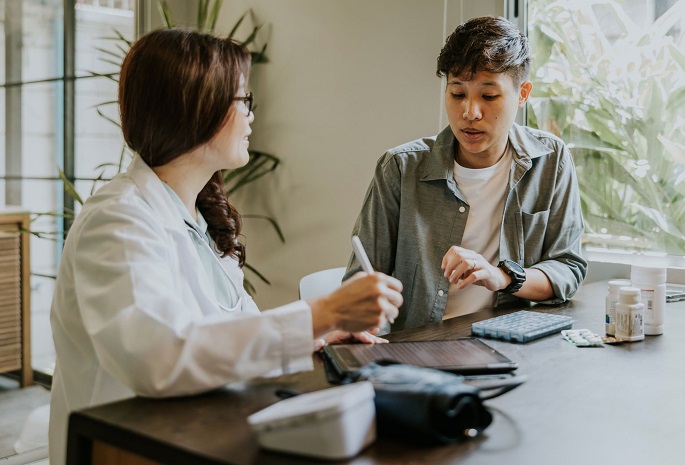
point(247, 101)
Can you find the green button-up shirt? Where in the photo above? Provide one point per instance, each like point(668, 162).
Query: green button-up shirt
point(414, 212)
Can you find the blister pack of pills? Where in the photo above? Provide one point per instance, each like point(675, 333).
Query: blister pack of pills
point(582, 338)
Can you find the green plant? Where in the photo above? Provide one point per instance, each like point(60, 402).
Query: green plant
point(259, 164)
point(617, 102)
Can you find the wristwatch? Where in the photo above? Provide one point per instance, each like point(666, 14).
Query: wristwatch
point(516, 273)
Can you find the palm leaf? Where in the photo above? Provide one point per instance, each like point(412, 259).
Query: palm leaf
point(202, 13)
point(260, 57)
point(122, 155)
point(271, 221)
point(108, 52)
point(249, 287)
point(105, 165)
point(51, 214)
point(105, 75)
point(122, 38)
point(214, 15)
point(111, 62)
point(113, 121)
point(236, 26)
point(260, 164)
point(69, 186)
point(259, 275)
point(110, 102)
point(252, 36)
point(165, 12)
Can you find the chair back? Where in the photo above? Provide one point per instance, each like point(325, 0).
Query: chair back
point(321, 283)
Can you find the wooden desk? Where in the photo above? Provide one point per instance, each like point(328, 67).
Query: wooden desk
point(617, 404)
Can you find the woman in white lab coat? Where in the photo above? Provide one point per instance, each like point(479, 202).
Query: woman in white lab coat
point(149, 298)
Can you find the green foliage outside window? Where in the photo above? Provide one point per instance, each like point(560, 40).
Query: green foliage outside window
point(616, 96)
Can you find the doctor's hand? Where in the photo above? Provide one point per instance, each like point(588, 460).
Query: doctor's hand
point(361, 303)
point(343, 337)
point(463, 267)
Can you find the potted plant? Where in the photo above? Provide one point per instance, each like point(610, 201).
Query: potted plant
point(259, 164)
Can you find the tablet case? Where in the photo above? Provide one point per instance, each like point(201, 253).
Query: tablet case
point(461, 356)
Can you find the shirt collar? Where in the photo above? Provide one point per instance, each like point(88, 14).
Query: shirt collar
point(441, 162)
point(200, 225)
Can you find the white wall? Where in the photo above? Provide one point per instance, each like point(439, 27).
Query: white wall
point(347, 80)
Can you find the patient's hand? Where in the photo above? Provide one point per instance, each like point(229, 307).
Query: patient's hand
point(464, 267)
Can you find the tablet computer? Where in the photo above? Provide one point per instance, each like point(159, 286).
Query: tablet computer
point(464, 356)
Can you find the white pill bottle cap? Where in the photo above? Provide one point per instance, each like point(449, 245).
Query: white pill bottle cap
point(616, 284)
point(648, 274)
point(629, 295)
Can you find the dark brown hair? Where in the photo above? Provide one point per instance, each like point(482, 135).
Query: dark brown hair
point(176, 88)
point(485, 44)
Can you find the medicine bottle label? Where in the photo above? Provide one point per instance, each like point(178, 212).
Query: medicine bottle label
point(648, 301)
point(610, 318)
point(629, 324)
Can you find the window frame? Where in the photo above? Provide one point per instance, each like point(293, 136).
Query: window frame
point(65, 77)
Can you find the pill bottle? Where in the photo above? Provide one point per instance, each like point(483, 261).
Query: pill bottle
point(629, 315)
point(652, 284)
point(610, 304)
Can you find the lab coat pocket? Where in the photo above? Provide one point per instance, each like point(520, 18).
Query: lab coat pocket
point(534, 227)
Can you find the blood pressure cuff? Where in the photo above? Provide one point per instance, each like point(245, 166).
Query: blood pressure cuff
point(424, 405)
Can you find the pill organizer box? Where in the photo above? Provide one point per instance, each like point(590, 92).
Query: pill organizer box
point(334, 423)
point(522, 326)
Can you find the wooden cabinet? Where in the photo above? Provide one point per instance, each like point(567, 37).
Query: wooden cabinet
point(15, 290)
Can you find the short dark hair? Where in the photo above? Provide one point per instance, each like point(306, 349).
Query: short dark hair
point(487, 44)
point(176, 91)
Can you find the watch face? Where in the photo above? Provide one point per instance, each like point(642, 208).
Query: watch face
point(515, 267)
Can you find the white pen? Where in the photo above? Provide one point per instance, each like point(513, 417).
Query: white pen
point(360, 253)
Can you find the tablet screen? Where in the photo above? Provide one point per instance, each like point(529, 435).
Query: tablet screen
point(464, 355)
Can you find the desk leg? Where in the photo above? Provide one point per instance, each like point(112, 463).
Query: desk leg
point(26, 372)
point(26, 378)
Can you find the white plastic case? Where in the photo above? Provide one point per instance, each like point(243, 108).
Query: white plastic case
point(334, 423)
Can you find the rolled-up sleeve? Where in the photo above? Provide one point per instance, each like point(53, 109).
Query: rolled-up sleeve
point(562, 260)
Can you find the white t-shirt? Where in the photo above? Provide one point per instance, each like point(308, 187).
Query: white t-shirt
point(484, 190)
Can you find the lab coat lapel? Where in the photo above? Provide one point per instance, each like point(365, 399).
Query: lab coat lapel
point(190, 266)
point(155, 195)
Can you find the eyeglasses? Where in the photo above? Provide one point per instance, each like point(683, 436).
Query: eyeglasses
point(247, 102)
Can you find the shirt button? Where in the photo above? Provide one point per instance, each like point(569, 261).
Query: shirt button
point(462, 209)
point(441, 292)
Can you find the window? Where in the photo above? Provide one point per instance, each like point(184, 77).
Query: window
point(34, 130)
point(609, 79)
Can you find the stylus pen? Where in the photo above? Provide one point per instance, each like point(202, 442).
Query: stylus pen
point(360, 253)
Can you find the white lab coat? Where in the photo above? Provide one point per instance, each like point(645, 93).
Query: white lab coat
point(133, 314)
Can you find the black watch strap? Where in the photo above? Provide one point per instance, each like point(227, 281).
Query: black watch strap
point(516, 273)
